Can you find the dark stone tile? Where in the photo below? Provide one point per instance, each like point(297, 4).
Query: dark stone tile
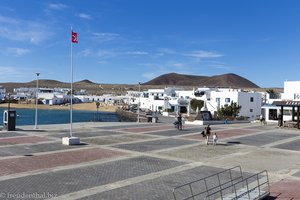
point(155, 145)
point(71, 180)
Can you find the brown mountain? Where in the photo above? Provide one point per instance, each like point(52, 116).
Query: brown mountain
point(224, 80)
point(172, 79)
point(46, 83)
point(91, 87)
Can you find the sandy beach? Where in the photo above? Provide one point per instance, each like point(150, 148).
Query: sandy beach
point(81, 106)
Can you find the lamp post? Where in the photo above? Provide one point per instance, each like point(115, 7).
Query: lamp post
point(138, 118)
point(8, 105)
point(36, 98)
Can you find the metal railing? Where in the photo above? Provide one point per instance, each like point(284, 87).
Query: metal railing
point(253, 187)
point(201, 188)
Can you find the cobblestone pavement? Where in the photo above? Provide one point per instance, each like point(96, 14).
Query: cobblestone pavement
point(141, 160)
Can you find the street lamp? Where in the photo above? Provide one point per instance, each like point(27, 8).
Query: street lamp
point(8, 105)
point(36, 98)
point(138, 119)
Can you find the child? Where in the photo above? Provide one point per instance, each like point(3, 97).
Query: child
point(215, 139)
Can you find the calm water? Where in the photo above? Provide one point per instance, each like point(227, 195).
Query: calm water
point(27, 116)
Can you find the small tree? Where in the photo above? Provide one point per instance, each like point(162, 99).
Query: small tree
point(196, 104)
point(231, 110)
point(273, 94)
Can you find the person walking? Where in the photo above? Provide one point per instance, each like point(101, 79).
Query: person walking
point(179, 120)
point(182, 122)
point(207, 133)
point(215, 139)
point(261, 119)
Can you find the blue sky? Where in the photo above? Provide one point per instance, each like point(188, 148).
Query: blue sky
point(131, 41)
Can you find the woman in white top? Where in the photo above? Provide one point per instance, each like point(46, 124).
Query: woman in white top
point(215, 139)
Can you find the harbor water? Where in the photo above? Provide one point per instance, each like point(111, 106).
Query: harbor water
point(27, 116)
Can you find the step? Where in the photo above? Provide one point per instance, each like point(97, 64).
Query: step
point(242, 194)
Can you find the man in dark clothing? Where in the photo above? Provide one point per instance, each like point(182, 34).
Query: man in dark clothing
point(207, 133)
point(179, 121)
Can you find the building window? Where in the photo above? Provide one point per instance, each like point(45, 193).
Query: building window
point(297, 96)
point(251, 99)
point(227, 100)
point(251, 110)
point(218, 100)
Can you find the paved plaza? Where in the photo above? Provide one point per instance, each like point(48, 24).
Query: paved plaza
point(141, 161)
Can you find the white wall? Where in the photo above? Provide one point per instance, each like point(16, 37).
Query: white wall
point(225, 98)
point(151, 104)
point(291, 90)
point(249, 109)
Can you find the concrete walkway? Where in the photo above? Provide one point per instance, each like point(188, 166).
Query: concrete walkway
point(140, 161)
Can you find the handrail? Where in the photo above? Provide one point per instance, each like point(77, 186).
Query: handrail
point(248, 191)
point(232, 180)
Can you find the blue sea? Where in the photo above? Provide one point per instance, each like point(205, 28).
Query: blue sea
point(27, 116)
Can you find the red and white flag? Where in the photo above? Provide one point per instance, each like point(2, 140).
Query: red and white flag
point(74, 37)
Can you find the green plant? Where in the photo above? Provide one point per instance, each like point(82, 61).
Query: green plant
point(229, 110)
point(273, 94)
point(196, 104)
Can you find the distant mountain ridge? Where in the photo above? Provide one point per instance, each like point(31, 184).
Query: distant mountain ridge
point(224, 80)
point(172, 79)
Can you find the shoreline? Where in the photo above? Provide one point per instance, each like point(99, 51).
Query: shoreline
point(80, 106)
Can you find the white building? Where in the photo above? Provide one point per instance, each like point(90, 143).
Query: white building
point(55, 96)
point(107, 99)
point(153, 99)
point(160, 100)
point(178, 100)
point(250, 102)
point(291, 92)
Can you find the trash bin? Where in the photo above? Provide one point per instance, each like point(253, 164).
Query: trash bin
point(154, 119)
point(9, 120)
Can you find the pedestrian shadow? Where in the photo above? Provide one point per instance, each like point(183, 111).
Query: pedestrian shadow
point(230, 143)
point(276, 197)
point(28, 130)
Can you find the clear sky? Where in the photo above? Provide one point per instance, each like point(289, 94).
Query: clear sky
point(131, 41)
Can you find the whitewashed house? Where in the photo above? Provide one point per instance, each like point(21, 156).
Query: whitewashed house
point(291, 91)
point(178, 100)
point(160, 100)
point(51, 96)
point(250, 102)
point(291, 94)
point(152, 99)
point(216, 98)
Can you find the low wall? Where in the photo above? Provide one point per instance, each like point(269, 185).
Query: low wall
point(126, 116)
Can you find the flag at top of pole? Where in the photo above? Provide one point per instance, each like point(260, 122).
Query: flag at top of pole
point(74, 37)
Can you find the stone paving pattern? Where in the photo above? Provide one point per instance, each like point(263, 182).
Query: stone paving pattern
point(21, 140)
point(141, 160)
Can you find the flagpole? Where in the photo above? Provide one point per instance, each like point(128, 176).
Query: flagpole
point(71, 140)
point(71, 104)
